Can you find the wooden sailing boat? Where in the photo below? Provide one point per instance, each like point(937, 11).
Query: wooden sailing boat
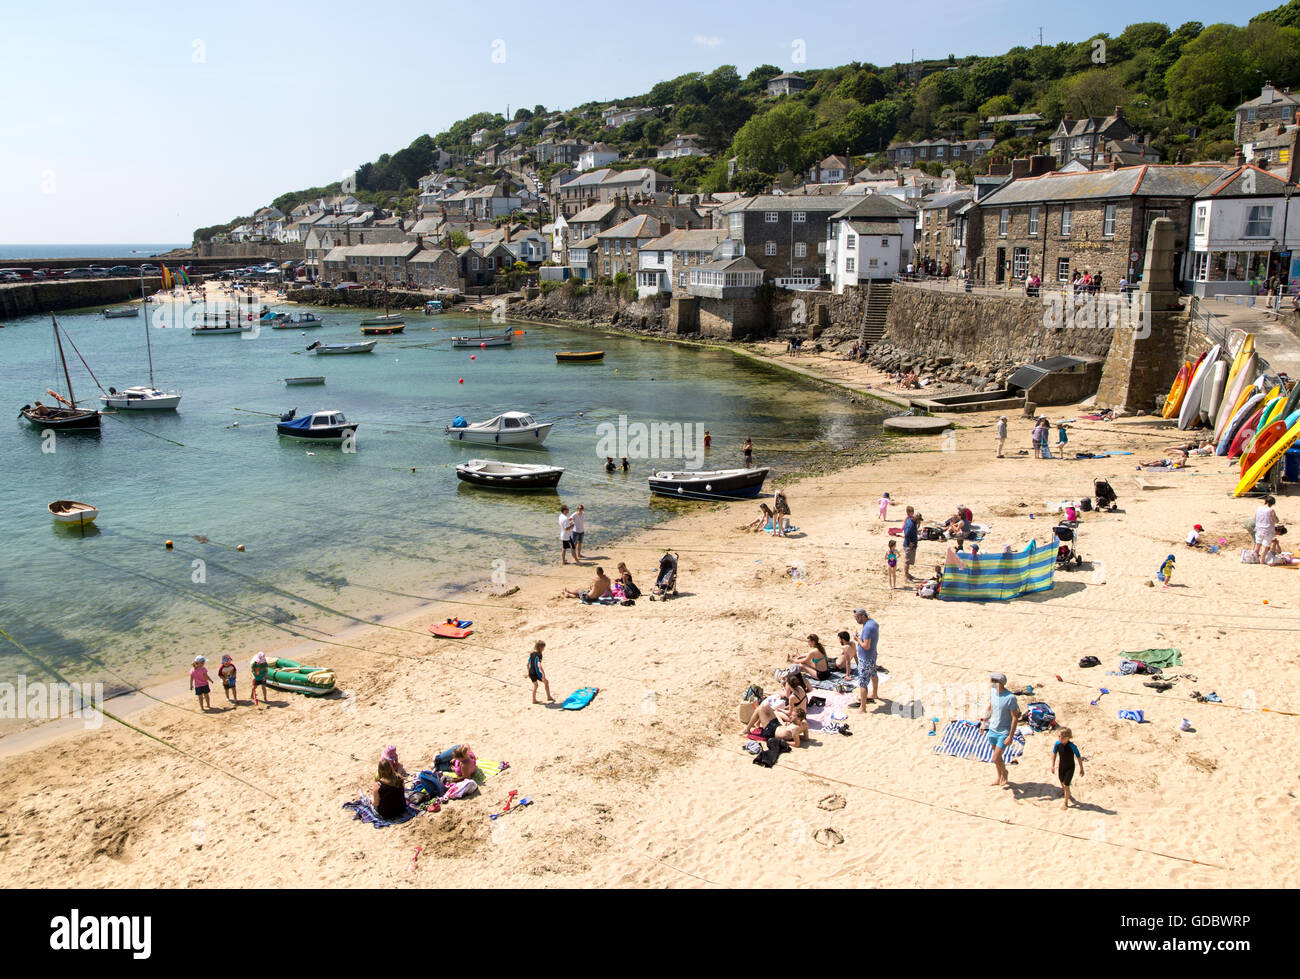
point(65, 416)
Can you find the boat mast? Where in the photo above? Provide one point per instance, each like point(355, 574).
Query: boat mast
point(148, 344)
point(63, 360)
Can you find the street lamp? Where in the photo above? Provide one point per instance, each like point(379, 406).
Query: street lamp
point(1285, 254)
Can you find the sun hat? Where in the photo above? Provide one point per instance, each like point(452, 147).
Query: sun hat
point(998, 678)
point(200, 659)
point(1198, 527)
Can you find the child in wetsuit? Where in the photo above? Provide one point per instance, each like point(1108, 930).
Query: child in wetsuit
point(536, 673)
point(891, 564)
point(1066, 752)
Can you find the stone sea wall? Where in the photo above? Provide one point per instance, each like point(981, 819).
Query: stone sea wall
point(33, 298)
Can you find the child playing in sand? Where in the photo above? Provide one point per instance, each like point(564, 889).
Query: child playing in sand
point(884, 506)
point(536, 673)
point(1065, 751)
point(891, 564)
point(227, 674)
point(1167, 570)
point(259, 669)
point(200, 682)
point(1194, 537)
point(1061, 438)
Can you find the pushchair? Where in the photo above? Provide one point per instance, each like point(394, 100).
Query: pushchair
point(1105, 495)
point(1067, 546)
point(666, 582)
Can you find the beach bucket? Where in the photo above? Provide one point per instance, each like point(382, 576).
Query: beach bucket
point(1291, 466)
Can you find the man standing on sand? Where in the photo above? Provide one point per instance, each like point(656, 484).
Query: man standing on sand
point(1002, 434)
point(566, 537)
point(865, 651)
point(909, 544)
point(1002, 716)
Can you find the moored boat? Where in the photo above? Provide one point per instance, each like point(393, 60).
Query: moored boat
point(120, 312)
point(298, 381)
point(719, 484)
point(72, 512)
point(386, 330)
point(217, 327)
point(388, 319)
point(297, 321)
point(66, 416)
point(433, 307)
point(141, 398)
point(320, 426)
point(508, 475)
point(498, 340)
point(364, 347)
point(579, 356)
point(516, 428)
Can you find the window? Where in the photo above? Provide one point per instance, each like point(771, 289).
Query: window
point(821, 248)
point(799, 217)
point(1019, 263)
point(681, 279)
point(770, 217)
point(800, 249)
point(873, 262)
point(1200, 266)
point(474, 263)
point(1033, 222)
point(769, 248)
point(1108, 221)
point(1062, 270)
point(492, 263)
point(848, 265)
point(737, 223)
point(851, 243)
point(884, 242)
point(1259, 221)
point(1003, 220)
point(1067, 221)
point(797, 273)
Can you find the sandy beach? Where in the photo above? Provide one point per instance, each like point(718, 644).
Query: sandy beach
point(649, 786)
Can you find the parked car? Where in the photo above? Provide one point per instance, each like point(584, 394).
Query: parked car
point(150, 269)
point(122, 270)
point(7, 276)
point(79, 274)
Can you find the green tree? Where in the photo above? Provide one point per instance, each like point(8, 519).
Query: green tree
point(999, 105)
point(774, 141)
point(752, 182)
point(1284, 16)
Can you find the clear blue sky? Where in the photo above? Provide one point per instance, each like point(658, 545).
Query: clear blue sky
point(141, 121)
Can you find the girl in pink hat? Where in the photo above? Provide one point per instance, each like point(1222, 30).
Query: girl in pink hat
point(259, 667)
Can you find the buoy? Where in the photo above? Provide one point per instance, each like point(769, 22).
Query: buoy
point(461, 381)
point(168, 545)
point(239, 547)
point(473, 356)
point(1266, 601)
point(482, 346)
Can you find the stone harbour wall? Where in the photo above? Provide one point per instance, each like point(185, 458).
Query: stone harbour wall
point(33, 298)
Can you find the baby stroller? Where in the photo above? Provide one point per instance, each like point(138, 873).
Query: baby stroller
point(1106, 498)
point(666, 582)
point(1067, 546)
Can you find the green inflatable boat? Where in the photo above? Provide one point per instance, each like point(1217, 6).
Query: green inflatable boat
point(285, 674)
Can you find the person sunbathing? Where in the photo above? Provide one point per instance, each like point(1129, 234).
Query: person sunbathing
point(795, 731)
point(814, 662)
point(1176, 463)
point(1274, 555)
point(958, 525)
point(599, 588)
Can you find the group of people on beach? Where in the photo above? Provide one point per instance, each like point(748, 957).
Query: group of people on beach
point(450, 772)
point(774, 519)
point(201, 681)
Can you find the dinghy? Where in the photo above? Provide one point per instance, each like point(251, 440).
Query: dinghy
point(298, 381)
point(363, 347)
point(719, 484)
point(121, 312)
point(508, 475)
point(72, 512)
point(285, 674)
point(579, 357)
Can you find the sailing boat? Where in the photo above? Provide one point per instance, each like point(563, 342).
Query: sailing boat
point(141, 398)
point(65, 416)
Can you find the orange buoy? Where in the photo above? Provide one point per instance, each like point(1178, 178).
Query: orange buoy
point(168, 545)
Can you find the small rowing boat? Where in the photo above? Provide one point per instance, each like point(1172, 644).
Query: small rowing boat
point(720, 484)
point(388, 319)
point(363, 347)
point(386, 330)
point(579, 357)
point(501, 340)
point(121, 312)
point(296, 381)
point(72, 512)
point(508, 475)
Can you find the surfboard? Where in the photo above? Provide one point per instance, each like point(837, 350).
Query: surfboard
point(1235, 423)
point(1236, 386)
point(1269, 457)
point(1264, 440)
point(1175, 397)
point(580, 698)
point(1192, 400)
point(1212, 396)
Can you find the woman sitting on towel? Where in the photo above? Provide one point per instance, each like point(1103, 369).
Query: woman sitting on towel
point(630, 589)
point(814, 662)
point(1274, 555)
point(780, 709)
point(930, 589)
point(388, 795)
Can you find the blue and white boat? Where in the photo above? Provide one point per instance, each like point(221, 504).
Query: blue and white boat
point(719, 484)
point(320, 426)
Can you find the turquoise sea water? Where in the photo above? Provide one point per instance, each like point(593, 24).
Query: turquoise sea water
point(330, 534)
point(139, 252)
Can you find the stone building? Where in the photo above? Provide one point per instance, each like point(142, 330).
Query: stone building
point(1055, 224)
point(1085, 139)
point(435, 268)
point(784, 235)
point(1272, 107)
point(936, 238)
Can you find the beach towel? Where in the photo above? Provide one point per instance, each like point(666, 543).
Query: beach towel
point(833, 713)
point(999, 577)
point(1157, 659)
point(829, 683)
point(964, 739)
point(1132, 715)
point(580, 698)
point(485, 769)
point(364, 810)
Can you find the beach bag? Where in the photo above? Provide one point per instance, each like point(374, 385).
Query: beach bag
point(1040, 717)
point(1086, 504)
point(632, 591)
point(1088, 661)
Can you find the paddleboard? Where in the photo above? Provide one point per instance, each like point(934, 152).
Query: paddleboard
point(1270, 402)
point(1264, 440)
point(1270, 456)
point(1235, 423)
point(1247, 431)
point(1192, 400)
point(1212, 396)
point(1233, 393)
point(580, 698)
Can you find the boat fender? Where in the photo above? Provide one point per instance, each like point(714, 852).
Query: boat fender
point(496, 437)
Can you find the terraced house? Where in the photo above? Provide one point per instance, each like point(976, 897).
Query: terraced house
point(785, 236)
point(1054, 224)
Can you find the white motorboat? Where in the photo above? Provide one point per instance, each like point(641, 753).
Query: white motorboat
point(296, 321)
point(516, 428)
point(509, 475)
point(500, 340)
point(120, 312)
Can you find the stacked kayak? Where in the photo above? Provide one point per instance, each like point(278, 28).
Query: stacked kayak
point(285, 674)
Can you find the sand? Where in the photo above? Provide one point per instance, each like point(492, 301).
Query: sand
point(649, 785)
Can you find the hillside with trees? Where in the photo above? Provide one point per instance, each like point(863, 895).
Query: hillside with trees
point(1180, 85)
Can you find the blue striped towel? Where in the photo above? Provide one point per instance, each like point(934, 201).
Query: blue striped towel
point(1132, 715)
point(964, 739)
